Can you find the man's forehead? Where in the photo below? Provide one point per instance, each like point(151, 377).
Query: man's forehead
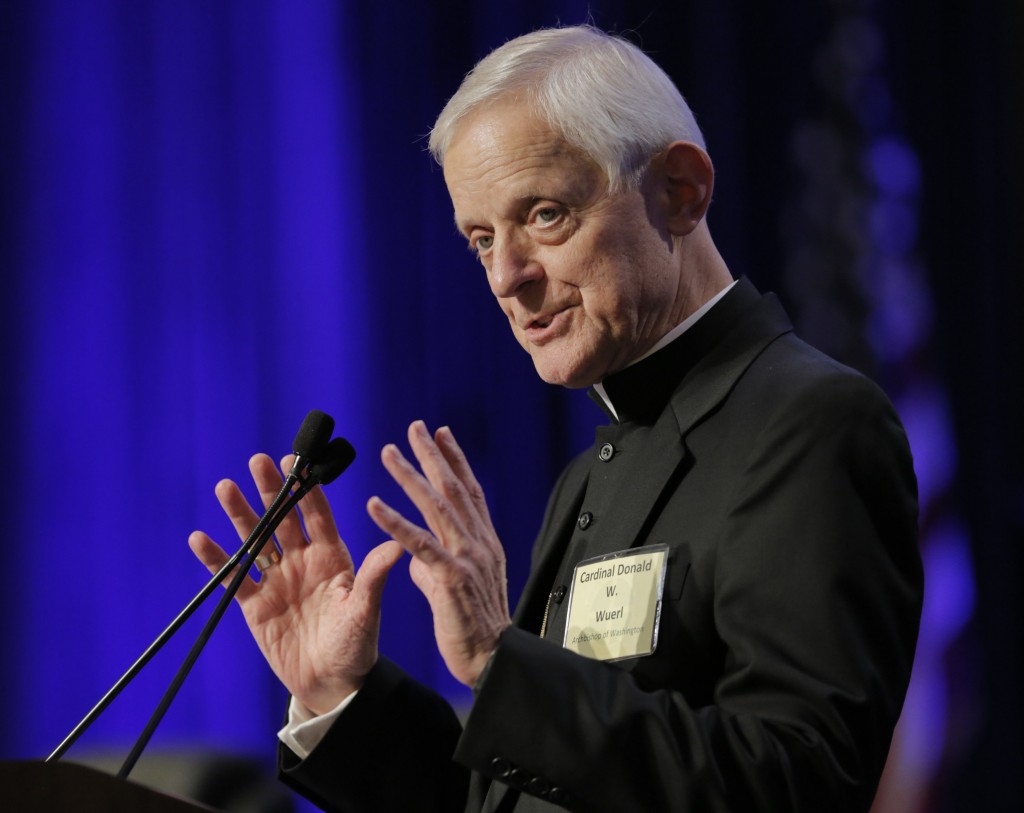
point(510, 149)
point(508, 125)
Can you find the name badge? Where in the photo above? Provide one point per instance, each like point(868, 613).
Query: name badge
point(615, 604)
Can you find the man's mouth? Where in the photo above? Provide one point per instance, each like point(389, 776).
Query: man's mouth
point(543, 328)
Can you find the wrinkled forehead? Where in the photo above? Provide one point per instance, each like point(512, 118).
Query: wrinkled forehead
point(507, 141)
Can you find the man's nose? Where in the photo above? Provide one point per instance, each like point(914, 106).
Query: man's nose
point(513, 265)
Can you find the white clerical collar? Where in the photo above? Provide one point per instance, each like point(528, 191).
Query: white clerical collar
point(667, 339)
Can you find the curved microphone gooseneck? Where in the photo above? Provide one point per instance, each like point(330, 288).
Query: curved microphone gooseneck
point(310, 447)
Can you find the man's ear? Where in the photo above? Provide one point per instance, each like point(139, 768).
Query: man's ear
point(687, 180)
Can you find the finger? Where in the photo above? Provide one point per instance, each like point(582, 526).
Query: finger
point(207, 551)
point(318, 517)
point(423, 577)
point(456, 458)
point(214, 558)
point(368, 588)
point(237, 508)
point(268, 482)
point(439, 472)
point(320, 525)
point(449, 472)
point(439, 513)
point(234, 503)
point(313, 509)
point(416, 540)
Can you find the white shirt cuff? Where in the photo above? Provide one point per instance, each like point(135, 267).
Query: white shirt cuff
point(304, 729)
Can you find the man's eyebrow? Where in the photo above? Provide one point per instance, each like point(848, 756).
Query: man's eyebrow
point(522, 203)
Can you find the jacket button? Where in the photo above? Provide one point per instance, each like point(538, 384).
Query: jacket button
point(558, 594)
point(607, 452)
point(501, 767)
point(518, 778)
point(559, 796)
point(584, 521)
point(539, 787)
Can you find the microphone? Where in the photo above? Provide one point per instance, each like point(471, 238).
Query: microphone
point(311, 440)
point(337, 457)
point(312, 443)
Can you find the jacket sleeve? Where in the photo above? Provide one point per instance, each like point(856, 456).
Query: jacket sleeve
point(389, 752)
point(816, 603)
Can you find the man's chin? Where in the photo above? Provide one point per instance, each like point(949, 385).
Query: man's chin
point(563, 375)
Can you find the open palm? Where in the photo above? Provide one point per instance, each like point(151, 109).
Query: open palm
point(314, 616)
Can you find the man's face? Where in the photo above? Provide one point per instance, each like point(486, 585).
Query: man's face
point(587, 279)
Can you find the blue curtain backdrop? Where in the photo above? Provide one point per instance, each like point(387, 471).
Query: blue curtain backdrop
point(218, 215)
point(226, 217)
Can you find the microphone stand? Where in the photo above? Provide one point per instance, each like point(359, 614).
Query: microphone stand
point(256, 537)
point(325, 459)
point(225, 601)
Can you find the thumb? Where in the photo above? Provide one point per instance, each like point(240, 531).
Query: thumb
point(369, 583)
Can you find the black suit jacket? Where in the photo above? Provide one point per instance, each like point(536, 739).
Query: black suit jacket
point(782, 484)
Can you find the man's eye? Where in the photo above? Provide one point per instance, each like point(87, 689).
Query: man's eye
point(547, 215)
point(483, 242)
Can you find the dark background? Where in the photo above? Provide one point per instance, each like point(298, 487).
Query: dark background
point(218, 215)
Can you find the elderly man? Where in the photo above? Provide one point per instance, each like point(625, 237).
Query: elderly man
point(725, 593)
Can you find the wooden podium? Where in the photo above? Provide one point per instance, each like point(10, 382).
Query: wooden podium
point(64, 787)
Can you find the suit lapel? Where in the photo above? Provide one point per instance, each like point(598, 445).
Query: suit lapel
point(714, 376)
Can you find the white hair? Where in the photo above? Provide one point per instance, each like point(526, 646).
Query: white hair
point(600, 93)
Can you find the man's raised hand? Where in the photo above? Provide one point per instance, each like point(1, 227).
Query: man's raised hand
point(314, 616)
point(458, 561)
